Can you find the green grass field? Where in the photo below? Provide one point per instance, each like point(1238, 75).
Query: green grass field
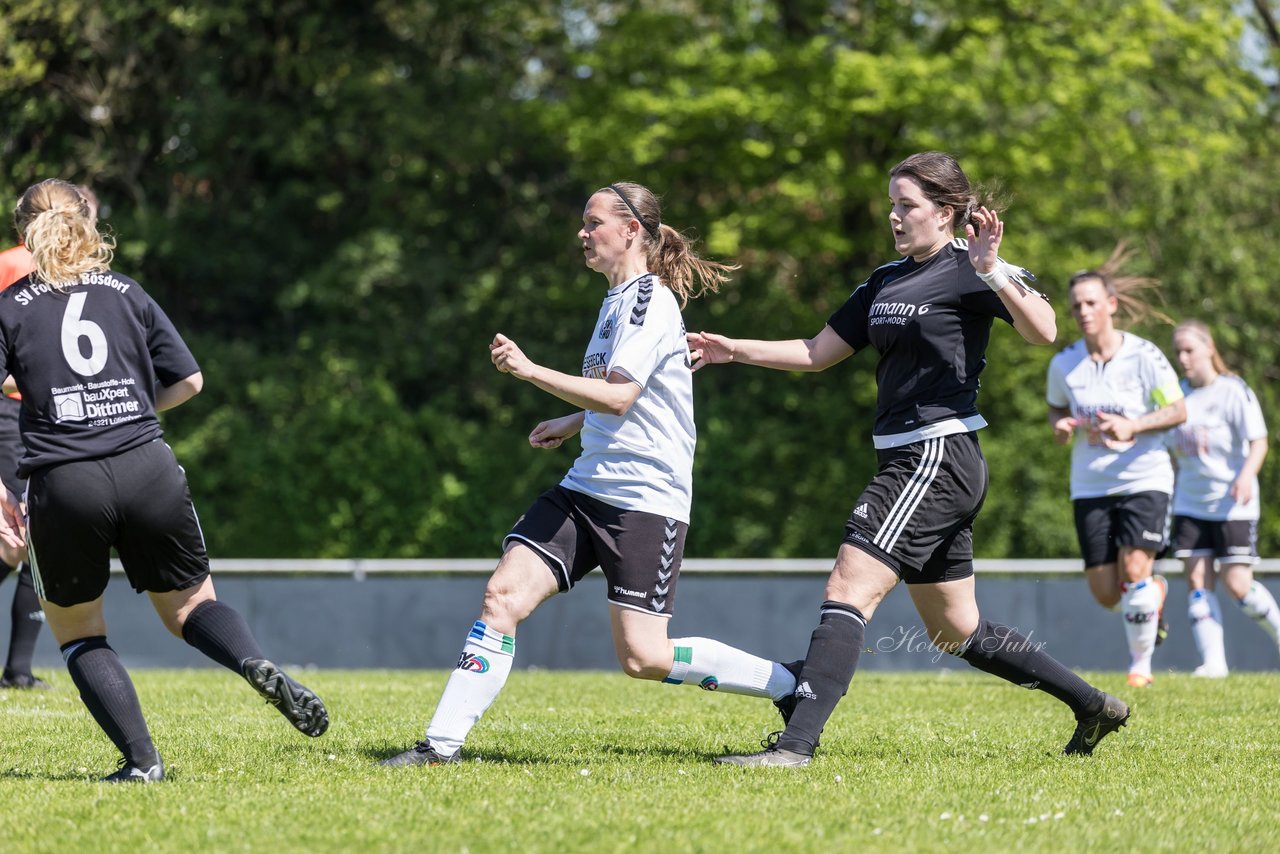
point(597, 762)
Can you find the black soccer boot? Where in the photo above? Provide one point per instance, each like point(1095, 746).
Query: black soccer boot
point(297, 703)
point(1092, 729)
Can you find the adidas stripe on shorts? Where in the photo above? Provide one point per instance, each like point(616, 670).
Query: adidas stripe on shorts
point(917, 513)
point(639, 552)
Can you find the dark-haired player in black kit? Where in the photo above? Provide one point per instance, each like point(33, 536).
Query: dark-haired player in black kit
point(95, 359)
point(929, 317)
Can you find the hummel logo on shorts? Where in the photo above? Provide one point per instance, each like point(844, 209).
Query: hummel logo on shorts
point(861, 511)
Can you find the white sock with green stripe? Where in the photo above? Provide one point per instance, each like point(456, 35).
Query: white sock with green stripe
point(715, 666)
point(474, 684)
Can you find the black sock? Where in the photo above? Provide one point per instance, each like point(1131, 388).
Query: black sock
point(1002, 651)
point(221, 633)
point(27, 618)
point(107, 690)
point(828, 669)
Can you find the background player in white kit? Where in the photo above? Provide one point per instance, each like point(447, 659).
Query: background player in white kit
point(624, 506)
point(1114, 394)
point(1218, 452)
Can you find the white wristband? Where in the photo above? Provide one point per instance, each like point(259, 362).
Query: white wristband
point(996, 279)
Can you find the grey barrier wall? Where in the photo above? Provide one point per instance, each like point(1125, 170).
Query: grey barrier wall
point(415, 614)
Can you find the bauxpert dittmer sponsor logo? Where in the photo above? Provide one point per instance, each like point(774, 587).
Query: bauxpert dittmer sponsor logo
point(108, 399)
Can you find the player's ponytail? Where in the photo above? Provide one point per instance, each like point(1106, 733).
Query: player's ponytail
point(58, 228)
point(1130, 291)
point(668, 252)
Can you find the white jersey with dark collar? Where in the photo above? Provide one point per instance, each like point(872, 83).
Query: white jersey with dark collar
point(1137, 380)
point(87, 361)
point(642, 460)
point(930, 322)
point(1210, 447)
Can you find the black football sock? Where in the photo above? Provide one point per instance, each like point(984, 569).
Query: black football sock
point(1002, 651)
point(107, 690)
point(218, 630)
point(828, 669)
point(25, 627)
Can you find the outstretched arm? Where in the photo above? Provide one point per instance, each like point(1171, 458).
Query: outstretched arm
point(1033, 316)
point(612, 396)
point(800, 354)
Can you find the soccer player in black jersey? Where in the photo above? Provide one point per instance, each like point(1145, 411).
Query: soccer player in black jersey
point(95, 359)
point(928, 316)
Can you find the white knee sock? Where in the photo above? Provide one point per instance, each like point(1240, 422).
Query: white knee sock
point(1261, 607)
point(716, 666)
point(482, 670)
point(1206, 626)
point(1140, 604)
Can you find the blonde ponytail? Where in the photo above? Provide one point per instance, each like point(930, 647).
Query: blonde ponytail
point(58, 228)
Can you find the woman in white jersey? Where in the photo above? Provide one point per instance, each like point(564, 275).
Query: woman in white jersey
point(1217, 452)
point(928, 315)
point(624, 505)
point(1113, 395)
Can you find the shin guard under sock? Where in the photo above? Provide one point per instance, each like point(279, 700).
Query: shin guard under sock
point(828, 669)
point(107, 691)
point(475, 683)
point(218, 630)
point(716, 666)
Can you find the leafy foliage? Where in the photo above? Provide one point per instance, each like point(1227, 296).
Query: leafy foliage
point(341, 203)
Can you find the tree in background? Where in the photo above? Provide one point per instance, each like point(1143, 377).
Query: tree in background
point(343, 202)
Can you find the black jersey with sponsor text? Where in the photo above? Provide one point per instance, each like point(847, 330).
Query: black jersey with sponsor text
point(87, 360)
point(930, 323)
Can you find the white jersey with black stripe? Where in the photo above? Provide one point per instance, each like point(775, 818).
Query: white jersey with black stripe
point(642, 460)
point(1137, 380)
point(1210, 447)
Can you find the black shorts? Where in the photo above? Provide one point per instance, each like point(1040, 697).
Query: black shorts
point(11, 449)
point(917, 513)
point(1230, 541)
point(574, 533)
point(1107, 524)
point(136, 501)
